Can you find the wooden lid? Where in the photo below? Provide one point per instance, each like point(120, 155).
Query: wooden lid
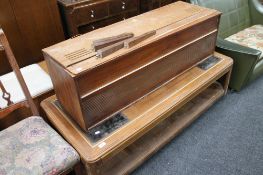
point(166, 20)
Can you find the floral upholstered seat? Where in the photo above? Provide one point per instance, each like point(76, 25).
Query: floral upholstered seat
point(250, 37)
point(32, 147)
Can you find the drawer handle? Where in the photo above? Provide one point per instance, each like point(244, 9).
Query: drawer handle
point(123, 5)
point(92, 26)
point(92, 14)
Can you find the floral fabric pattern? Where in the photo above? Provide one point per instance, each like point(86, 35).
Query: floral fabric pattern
point(251, 37)
point(33, 147)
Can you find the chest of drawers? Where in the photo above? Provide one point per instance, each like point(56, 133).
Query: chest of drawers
point(147, 5)
point(81, 16)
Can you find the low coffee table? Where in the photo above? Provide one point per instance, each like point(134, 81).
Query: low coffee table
point(151, 122)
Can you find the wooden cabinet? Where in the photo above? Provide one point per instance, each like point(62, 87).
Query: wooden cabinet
point(82, 16)
point(119, 6)
point(94, 90)
point(147, 5)
point(89, 13)
point(30, 25)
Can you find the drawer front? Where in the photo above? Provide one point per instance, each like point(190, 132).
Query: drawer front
point(166, 2)
point(89, 13)
point(131, 14)
point(155, 4)
point(92, 26)
point(102, 23)
point(119, 6)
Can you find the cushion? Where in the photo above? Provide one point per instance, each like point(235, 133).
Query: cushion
point(251, 37)
point(37, 80)
point(32, 147)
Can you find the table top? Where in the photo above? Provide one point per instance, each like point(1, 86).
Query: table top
point(143, 115)
point(166, 21)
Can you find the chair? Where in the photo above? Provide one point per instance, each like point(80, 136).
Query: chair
point(37, 80)
point(30, 146)
point(240, 37)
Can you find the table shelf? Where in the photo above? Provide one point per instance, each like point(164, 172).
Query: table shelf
point(135, 154)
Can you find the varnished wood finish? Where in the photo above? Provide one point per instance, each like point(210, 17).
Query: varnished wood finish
point(139, 151)
point(104, 42)
point(139, 83)
point(182, 17)
point(12, 61)
point(150, 126)
point(43, 65)
point(147, 5)
point(135, 40)
point(82, 16)
point(105, 86)
point(101, 53)
point(77, 15)
point(30, 25)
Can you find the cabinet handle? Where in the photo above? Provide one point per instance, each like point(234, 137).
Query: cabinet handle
point(1, 47)
point(75, 36)
point(92, 14)
point(92, 26)
point(123, 5)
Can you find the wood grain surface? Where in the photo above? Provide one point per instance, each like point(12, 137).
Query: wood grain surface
point(30, 25)
point(105, 86)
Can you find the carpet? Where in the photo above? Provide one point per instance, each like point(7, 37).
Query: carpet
point(227, 139)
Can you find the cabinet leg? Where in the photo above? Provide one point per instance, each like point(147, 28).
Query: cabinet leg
point(226, 82)
point(80, 169)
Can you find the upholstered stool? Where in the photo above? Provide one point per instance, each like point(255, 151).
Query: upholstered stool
point(32, 147)
point(250, 37)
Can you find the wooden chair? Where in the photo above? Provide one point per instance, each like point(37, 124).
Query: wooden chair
point(38, 82)
point(5, 95)
point(30, 146)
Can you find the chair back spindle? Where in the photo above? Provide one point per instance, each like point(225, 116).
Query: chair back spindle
point(6, 96)
point(4, 45)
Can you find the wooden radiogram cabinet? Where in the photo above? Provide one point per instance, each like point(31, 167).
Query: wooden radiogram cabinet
point(94, 89)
